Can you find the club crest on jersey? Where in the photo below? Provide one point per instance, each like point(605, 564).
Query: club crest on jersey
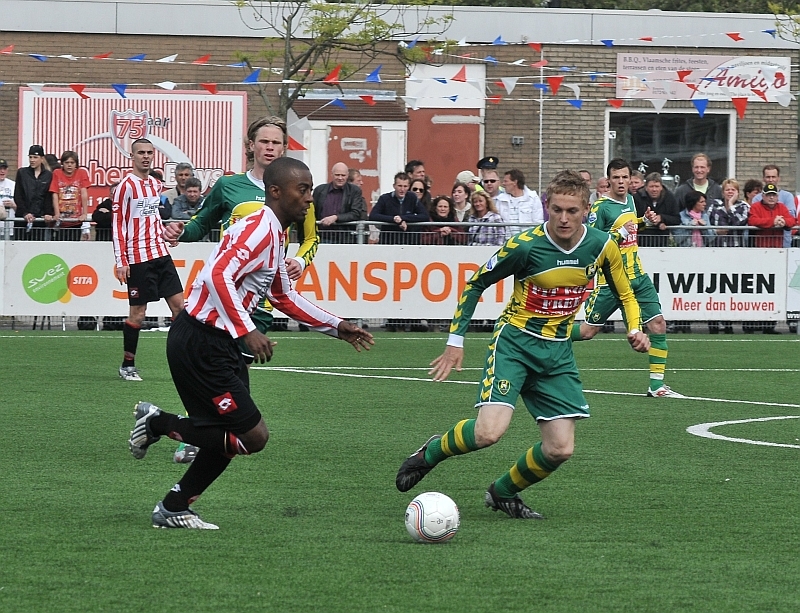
point(503, 386)
point(491, 263)
point(591, 270)
point(592, 217)
point(126, 127)
point(595, 316)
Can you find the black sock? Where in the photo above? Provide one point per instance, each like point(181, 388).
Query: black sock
point(182, 429)
point(207, 466)
point(130, 340)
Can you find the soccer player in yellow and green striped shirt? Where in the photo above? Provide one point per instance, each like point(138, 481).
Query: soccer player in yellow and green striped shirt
point(530, 354)
point(615, 213)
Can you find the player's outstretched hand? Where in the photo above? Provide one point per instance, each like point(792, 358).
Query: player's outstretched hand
point(450, 359)
point(639, 341)
point(172, 232)
point(293, 269)
point(354, 335)
point(260, 346)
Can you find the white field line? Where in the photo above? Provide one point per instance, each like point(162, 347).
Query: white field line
point(704, 430)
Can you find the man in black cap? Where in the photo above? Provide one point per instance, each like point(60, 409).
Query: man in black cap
point(490, 179)
point(31, 195)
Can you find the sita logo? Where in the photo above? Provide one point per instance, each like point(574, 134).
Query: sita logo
point(47, 278)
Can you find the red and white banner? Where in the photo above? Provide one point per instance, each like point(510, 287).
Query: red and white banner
point(184, 126)
point(380, 281)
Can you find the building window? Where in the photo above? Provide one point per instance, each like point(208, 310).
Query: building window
point(666, 142)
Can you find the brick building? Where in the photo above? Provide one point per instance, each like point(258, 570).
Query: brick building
point(448, 123)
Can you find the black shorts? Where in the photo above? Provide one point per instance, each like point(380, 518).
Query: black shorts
point(210, 375)
point(153, 280)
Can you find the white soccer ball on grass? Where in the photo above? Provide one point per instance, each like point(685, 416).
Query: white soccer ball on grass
point(432, 518)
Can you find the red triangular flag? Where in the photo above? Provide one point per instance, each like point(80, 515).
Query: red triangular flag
point(648, 39)
point(500, 84)
point(370, 100)
point(8, 50)
point(682, 74)
point(461, 75)
point(102, 56)
point(333, 76)
point(209, 87)
point(555, 83)
point(761, 94)
point(734, 36)
point(295, 146)
point(539, 64)
point(616, 103)
point(78, 89)
point(202, 60)
point(692, 86)
point(537, 46)
point(495, 99)
point(740, 104)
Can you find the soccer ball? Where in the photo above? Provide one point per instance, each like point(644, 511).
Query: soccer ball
point(432, 518)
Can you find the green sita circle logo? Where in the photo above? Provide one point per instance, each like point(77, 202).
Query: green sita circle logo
point(45, 278)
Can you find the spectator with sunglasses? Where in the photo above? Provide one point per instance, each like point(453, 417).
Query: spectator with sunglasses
point(491, 183)
point(420, 190)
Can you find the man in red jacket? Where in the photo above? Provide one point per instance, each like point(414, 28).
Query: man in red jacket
point(772, 216)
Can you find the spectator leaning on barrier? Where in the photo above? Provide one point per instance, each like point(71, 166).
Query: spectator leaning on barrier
point(772, 174)
point(30, 194)
point(732, 211)
point(401, 208)
point(101, 217)
point(483, 212)
point(70, 192)
point(771, 216)
point(518, 204)
point(637, 182)
point(662, 203)
point(7, 203)
point(701, 166)
point(695, 217)
point(460, 194)
point(338, 202)
point(190, 201)
point(183, 172)
point(443, 211)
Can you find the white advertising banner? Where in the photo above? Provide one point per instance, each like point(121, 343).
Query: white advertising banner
point(793, 291)
point(414, 282)
point(713, 77)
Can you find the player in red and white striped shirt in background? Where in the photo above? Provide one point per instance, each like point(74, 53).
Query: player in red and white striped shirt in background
point(204, 357)
point(142, 259)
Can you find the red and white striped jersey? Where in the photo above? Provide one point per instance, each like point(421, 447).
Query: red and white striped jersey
point(247, 264)
point(136, 222)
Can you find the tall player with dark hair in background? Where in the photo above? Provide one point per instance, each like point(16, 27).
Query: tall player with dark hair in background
point(142, 259)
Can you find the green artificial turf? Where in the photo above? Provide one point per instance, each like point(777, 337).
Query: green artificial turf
point(644, 517)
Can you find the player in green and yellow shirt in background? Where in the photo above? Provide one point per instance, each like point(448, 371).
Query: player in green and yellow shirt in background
point(615, 213)
point(236, 196)
point(530, 354)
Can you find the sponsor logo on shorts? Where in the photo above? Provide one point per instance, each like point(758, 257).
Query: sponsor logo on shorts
point(503, 386)
point(133, 292)
point(225, 403)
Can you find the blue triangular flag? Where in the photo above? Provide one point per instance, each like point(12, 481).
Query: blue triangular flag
point(120, 88)
point(338, 102)
point(577, 103)
point(440, 80)
point(771, 32)
point(566, 68)
point(700, 104)
point(413, 43)
point(36, 56)
point(374, 76)
point(238, 65)
point(608, 42)
point(452, 98)
point(252, 77)
point(499, 41)
point(489, 58)
point(137, 58)
point(593, 76)
point(542, 86)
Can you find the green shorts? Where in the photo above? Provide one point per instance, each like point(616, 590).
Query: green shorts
point(542, 371)
point(262, 318)
point(602, 302)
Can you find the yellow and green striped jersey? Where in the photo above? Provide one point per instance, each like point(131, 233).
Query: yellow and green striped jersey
point(549, 282)
point(609, 216)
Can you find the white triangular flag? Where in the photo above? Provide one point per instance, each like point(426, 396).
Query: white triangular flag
point(518, 62)
point(658, 104)
point(477, 85)
point(36, 87)
point(462, 42)
point(576, 89)
point(167, 85)
point(169, 58)
point(769, 72)
point(509, 83)
point(69, 57)
point(411, 102)
point(784, 99)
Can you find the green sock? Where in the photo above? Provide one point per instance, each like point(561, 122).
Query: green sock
point(575, 333)
point(658, 359)
point(531, 468)
point(457, 441)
